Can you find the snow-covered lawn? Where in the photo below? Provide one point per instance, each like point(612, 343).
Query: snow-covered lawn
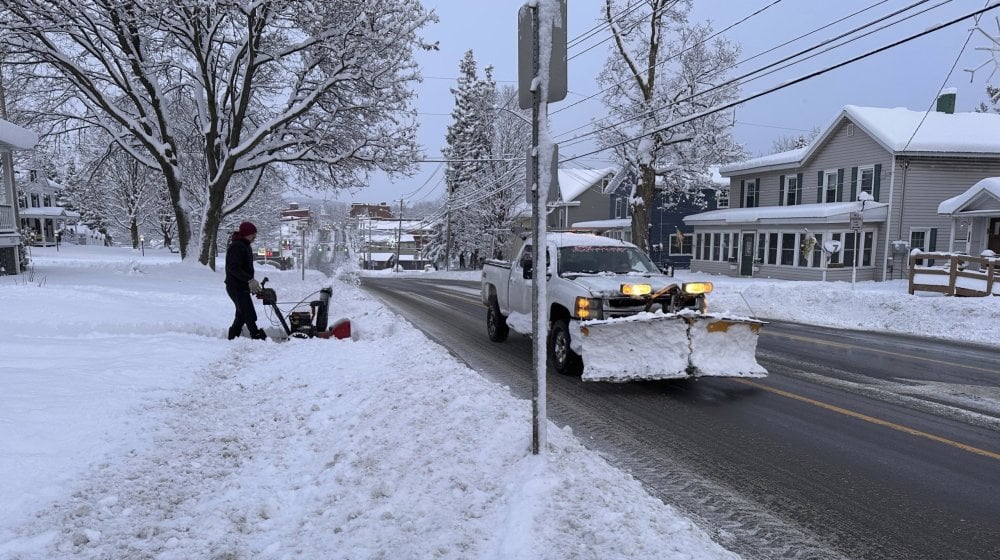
point(130, 428)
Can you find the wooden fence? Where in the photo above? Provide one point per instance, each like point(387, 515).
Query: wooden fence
point(956, 275)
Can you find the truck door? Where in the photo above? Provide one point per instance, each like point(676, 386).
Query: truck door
point(519, 291)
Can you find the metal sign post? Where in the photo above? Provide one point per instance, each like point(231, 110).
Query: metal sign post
point(857, 221)
point(536, 87)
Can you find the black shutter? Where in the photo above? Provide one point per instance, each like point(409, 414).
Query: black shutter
point(840, 185)
point(932, 245)
point(854, 184)
point(876, 180)
point(756, 192)
point(781, 190)
point(798, 189)
point(819, 186)
point(742, 198)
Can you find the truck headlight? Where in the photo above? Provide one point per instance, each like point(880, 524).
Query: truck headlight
point(695, 288)
point(636, 289)
point(587, 308)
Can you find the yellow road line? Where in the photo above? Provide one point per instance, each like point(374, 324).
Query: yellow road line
point(886, 352)
point(872, 419)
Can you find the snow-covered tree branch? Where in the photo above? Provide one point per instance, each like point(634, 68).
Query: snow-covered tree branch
point(206, 92)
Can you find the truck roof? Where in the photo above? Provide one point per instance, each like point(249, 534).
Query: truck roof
point(566, 239)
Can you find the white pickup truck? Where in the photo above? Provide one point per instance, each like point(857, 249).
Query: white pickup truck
point(613, 316)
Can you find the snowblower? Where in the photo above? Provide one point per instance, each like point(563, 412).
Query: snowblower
point(306, 324)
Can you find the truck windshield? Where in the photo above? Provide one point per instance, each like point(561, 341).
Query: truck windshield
point(595, 259)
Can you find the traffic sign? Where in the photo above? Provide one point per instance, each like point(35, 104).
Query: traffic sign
point(856, 220)
point(526, 38)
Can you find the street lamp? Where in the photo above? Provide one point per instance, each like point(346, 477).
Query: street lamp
point(142, 244)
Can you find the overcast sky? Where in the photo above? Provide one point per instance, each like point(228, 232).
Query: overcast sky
point(906, 76)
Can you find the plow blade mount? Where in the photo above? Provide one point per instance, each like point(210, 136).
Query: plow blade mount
point(669, 346)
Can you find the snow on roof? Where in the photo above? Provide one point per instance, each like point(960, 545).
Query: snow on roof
point(15, 137)
point(782, 159)
point(573, 182)
point(824, 212)
point(988, 187)
point(937, 132)
point(48, 212)
point(617, 223)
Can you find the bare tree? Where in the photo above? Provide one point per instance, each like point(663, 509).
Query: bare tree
point(794, 142)
point(661, 70)
point(234, 88)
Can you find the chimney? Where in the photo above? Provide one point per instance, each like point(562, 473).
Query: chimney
point(946, 100)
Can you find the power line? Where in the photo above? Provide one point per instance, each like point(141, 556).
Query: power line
point(774, 66)
point(784, 85)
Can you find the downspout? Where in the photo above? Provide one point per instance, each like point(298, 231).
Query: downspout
point(888, 219)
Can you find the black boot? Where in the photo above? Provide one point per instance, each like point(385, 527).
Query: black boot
point(235, 332)
point(259, 335)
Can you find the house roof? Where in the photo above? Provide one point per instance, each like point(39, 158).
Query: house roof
point(983, 196)
point(16, 138)
point(899, 131)
point(48, 212)
point(573, 182)
point(827, 212)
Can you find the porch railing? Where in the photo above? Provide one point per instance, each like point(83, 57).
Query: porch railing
point(7, 219)
point(959, 275)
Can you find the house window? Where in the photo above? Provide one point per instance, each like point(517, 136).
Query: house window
point(681, 244)
point(867, 248)
point(32, 175)
point(792, 190)
point(817, 253)
point(920, 239)
point(835, 257)
point(772, 248)
point(716, 245)
point(751, 193)
point(830, 186)
point(47, 200)
point(622, 209)
point(848, 249)
point(35, 202)
point(788, 247)
point(722, 199)
point(866, 180)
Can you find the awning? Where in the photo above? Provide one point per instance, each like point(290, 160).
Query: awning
point(822, 213)
point(981, 199)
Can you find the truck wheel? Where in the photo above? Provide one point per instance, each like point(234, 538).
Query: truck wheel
point(496, 323)
point(564, 359)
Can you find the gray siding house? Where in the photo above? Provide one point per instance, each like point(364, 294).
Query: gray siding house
point(12, 137)
point(854, 202)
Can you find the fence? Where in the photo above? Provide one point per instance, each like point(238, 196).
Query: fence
point(962, 275)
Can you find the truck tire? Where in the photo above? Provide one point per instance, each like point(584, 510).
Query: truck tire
point(564, 359)
point(496, 323)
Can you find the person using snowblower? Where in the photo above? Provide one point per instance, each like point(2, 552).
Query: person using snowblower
point(240, 282)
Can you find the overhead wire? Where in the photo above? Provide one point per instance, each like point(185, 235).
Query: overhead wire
point(775, 66)
point(789, 83)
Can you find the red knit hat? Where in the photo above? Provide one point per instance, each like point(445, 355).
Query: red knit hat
point(247, 229)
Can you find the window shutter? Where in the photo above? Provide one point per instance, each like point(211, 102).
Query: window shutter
point(798, 189)
point(742, 197)
point(932, 244)
point(854, 184)
point(819, 186)
point(781, 190)
point(876, 180)
point(756, 192)
point(840, 185)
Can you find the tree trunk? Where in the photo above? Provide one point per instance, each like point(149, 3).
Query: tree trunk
point(642, 204)
point(210, 229)
point(133, 228)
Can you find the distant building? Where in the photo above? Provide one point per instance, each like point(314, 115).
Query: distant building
point(39, 210)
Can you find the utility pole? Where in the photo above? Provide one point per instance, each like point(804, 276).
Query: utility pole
point(399, 234)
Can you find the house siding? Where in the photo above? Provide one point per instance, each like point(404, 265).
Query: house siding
point(921, 185)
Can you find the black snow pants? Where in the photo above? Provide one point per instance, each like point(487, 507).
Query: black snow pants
point(245, 313)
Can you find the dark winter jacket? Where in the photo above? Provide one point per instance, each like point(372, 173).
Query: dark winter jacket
point(239, 264)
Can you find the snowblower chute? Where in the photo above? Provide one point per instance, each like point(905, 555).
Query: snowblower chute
point(669, 346)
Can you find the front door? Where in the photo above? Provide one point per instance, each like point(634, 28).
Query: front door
point(993, 241)
point(746, 254)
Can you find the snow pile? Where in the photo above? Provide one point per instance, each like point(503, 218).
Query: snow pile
point(130, 428)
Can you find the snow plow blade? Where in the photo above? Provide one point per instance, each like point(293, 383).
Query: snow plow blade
point(652, 346)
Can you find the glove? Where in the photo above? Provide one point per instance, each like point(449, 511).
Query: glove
point(254, 286)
